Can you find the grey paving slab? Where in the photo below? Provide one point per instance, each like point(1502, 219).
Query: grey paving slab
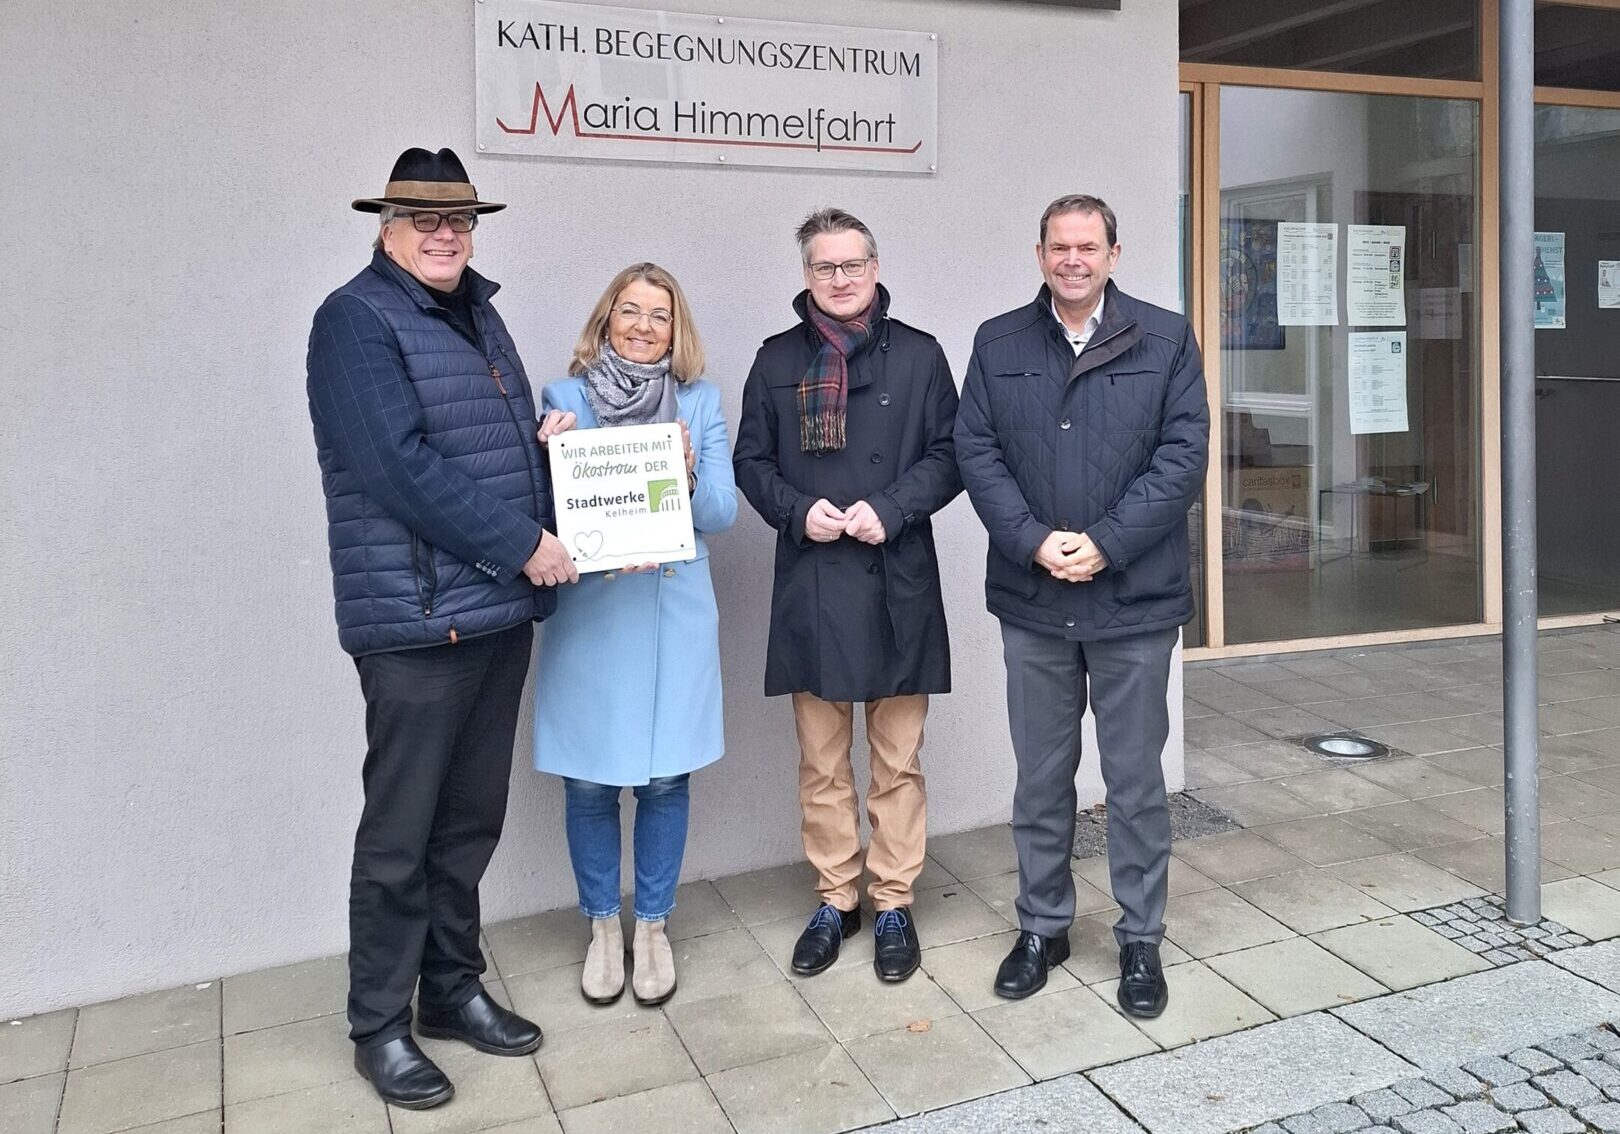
point(351, 1107)
point(1599, 963)
point(283, 995)
point(1405, 882)
point(1251, 1077)
point(29, 1106)
point(1202, 1004)
point(777, 892)
point(1295, 976)
point(852, 1002)
point(974, 854)
point(546, 940)
point(809, 1092)
point(120, 1095)
point(1309, 901)
point(612, 1059)
point(1219, 921)
point(153, 1021)
point(679, 1108)
point(1238, 856)
point(700, 911)
point(747, 1027)
point(291, 1057)
point(1062, 1033)
point(1069, 1105)
point(1399, 953)
point(906, 1065)
point(1448, 1024)
point(38, 1045)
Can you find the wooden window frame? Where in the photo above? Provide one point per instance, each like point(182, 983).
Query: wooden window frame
point(1204, 81)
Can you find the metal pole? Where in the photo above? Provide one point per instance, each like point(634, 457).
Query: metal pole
point(1519, 694)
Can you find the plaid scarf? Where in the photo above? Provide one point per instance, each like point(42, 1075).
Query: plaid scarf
point(824, 390)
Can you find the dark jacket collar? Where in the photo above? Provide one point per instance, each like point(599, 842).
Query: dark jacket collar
point(1115, 334)
point(482, 289)
point(1116, 316)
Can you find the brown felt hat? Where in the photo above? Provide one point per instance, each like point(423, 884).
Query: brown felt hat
point(429, 182)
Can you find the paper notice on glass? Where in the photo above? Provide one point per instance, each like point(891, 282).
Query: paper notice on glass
point(1378, 382)
point(621, 496)
point(1609, 283)
point(1307, 255)
point(1550, 281)
point(1439, 313)
point(1375, 275)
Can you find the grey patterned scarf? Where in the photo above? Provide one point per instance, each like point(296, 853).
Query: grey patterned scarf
point(621, 392)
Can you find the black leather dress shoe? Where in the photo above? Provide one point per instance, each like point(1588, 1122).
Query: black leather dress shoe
point(403, 1075)
point(483, 1024)
point(1023, 971)
point(817, 947)
point(897, 952)
point(1142, 990)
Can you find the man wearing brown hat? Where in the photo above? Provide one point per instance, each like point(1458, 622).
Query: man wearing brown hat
point(438, 503)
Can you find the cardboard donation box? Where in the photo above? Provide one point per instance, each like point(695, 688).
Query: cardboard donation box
point(1267, 522)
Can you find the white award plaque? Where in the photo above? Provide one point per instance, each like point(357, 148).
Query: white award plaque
point(621, 496)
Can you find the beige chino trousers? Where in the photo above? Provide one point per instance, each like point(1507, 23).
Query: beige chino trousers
point(896, 801)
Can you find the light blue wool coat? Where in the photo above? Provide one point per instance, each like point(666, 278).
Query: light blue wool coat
point(628, 684)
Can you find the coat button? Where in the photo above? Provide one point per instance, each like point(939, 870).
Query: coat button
point(669, 572)
point(1069, 622)
point(883, 399)
point(1063, 524)
point(872, 568)
point(609, 576)
point(877, 457)
point(1064, 424)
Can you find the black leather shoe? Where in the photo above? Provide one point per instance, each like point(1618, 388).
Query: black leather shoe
point(1142, 990)
point(817, 947)
point(403, 1075)
point(483, 1024)
point(897, 951)
point(1023, 971)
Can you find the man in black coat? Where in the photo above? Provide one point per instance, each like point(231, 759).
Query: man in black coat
point(845, 449)
point(1083, 436)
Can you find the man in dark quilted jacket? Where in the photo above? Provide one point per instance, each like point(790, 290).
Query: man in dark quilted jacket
point(1082, 439)
point(438, 504)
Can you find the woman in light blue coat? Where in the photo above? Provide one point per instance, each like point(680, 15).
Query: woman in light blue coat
point(627, 692)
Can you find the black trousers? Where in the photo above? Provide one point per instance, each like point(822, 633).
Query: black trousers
point(439, 730)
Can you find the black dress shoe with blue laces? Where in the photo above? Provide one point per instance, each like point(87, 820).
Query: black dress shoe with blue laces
point(483, 1024)
point(1023, 970)
point(1143, 992)
point(817, 947)
point(897, 953)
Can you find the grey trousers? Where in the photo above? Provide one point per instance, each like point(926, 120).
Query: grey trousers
point(1047, 683)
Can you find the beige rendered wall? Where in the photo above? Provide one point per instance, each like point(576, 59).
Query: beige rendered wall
point(180, 737)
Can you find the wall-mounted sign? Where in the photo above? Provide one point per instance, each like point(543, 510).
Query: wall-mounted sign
point(589, 81)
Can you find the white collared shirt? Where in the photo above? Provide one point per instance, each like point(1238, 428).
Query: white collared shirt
point(1079, 339)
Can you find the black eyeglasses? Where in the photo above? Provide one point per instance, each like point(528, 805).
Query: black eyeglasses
point(429, 222)
point(852, 269)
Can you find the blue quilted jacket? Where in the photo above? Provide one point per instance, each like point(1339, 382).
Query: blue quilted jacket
point(436, 490)
point(1112, 443)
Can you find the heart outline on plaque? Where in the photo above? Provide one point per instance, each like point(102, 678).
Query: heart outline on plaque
point(588, 544)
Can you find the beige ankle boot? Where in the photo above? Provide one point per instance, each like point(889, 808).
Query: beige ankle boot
point(602, 982)
point(654, 980)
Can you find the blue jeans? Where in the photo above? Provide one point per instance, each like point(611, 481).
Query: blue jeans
point(662, 807)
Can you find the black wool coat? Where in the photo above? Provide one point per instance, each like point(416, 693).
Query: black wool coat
point(852, 621)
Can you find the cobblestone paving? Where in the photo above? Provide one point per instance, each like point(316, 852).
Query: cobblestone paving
point(1480, 925)
point(1568, 1085)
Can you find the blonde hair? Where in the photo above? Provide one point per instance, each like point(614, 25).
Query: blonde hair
point(686, 358)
